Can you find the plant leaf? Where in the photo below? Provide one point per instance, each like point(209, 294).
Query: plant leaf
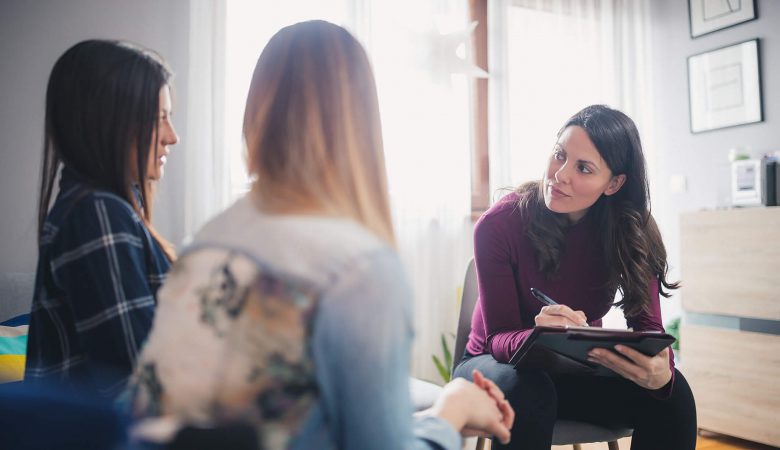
point(443, 372)
point(447, 354)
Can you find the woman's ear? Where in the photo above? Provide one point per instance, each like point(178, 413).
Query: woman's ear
point(615, 184)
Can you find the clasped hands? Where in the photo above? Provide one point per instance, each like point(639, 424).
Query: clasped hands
point(475, 409)
point(650, 372)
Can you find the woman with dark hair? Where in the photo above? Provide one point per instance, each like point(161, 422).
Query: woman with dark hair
point(580, 235)
point(100, 263)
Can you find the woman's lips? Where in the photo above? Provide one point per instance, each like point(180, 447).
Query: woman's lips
point(557, 193)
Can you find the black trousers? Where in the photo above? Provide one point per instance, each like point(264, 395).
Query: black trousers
point(539, 399)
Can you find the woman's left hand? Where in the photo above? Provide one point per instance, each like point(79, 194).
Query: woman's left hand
point(650, 372)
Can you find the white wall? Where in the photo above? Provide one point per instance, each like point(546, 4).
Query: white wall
point(33, 34)
point(702, 158)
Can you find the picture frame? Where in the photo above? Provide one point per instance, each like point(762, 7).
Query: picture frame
point(724, 87)
point(707, 16)
point(746, 185)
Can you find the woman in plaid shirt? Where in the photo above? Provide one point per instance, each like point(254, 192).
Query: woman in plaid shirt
point(100, 262)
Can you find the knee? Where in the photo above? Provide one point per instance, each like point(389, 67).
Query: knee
point(678, 411)
point(463, 370)
point(682, 402)
point(532, 394)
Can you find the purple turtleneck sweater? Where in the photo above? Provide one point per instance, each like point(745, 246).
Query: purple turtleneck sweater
point(507, 269)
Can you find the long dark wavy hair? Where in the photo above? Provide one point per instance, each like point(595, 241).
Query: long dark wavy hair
point(633, 249)
point(102, 105)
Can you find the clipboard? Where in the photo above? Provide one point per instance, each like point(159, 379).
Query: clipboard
point(565, 350)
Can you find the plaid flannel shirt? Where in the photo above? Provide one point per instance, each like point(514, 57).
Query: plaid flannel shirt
point(98, 274)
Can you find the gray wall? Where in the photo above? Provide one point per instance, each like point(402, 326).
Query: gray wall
point(33, 33)
point(702, 158)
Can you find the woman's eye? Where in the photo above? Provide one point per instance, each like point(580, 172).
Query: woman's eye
point(557, 154)
point(584, 169)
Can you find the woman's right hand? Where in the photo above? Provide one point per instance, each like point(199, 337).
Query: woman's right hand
point(560, 316)
point(467, 406)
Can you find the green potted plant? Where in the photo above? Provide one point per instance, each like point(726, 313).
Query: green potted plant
point(444, 365)
point(673, 328)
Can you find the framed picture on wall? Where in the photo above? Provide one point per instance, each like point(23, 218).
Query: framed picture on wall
point(707, 16)
point(724, 87)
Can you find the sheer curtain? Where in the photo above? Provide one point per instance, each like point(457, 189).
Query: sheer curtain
point(549, 59)
point(419, 52)
point(206, 168)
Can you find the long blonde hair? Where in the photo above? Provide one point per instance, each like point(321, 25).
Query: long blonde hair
point(312, 128)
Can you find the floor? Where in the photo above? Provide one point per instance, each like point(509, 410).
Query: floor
point(706, 441)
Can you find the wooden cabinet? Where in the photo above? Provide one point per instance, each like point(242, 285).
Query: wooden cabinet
point(731, 350)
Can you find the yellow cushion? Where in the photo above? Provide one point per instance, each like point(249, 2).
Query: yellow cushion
point(11, 368)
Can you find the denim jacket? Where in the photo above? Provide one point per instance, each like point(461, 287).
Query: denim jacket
point(299, 325)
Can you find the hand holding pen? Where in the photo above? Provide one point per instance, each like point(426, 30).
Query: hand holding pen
point(557, 315)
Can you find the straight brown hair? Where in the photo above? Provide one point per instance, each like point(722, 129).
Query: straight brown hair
point(102, 103)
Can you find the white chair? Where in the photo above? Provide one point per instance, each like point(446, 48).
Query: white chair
point(423, 393)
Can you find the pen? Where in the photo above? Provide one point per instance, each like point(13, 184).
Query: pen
point(542, 297)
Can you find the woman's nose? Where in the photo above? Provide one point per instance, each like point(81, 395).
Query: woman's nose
point(170, 137)
point(562, 174)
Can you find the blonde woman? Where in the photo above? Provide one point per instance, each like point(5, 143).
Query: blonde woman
point(290, 311)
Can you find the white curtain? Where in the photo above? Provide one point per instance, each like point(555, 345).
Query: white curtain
point(206, 168)
point(424, 99)
point(549, 59)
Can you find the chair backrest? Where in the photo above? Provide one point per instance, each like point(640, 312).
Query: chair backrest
point(467, 303)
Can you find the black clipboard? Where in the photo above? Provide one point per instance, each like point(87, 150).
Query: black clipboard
point(565, 350)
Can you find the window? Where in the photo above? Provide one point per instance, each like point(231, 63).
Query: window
point(250, 25)
point(556, 67)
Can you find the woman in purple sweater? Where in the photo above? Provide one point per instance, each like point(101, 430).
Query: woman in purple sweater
point(580, 235)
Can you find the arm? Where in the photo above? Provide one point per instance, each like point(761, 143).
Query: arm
point(498, 296)
point(362, 337)
point(98, 259)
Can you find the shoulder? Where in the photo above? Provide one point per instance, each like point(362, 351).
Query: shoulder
point(310, 247)
point(89, 204)
point(507, 214)
point(93, 206)
point(370, 301)
point(88, 215)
